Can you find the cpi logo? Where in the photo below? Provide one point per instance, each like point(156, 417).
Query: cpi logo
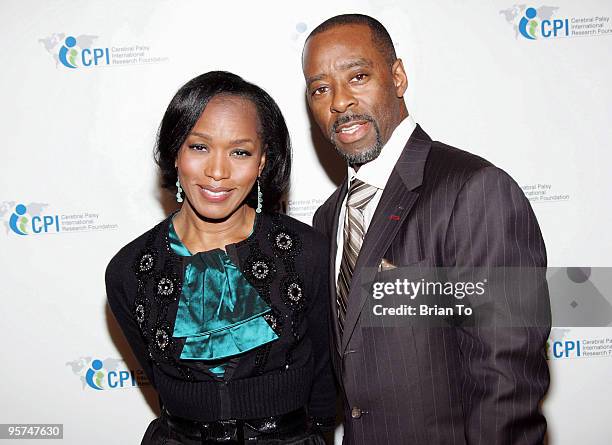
point(532, 27)
point(73, 55)
point(22, 224)
point(564, 349)
point(99, 378)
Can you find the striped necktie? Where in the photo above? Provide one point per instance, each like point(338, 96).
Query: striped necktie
point(359, 195)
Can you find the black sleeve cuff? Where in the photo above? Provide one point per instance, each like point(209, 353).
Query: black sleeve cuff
point(322, 424)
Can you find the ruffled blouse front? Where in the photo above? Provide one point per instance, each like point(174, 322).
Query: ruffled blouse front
point(220, 314)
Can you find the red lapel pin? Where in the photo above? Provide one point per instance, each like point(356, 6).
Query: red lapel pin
point(394, 217)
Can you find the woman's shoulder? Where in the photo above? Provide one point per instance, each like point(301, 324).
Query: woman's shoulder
point(123, 261)
point(311, 238)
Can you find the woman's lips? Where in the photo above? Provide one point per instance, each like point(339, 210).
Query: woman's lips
point(352, 132)
point(212, 194)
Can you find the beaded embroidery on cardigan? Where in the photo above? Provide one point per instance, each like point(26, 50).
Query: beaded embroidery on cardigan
point(159, 286)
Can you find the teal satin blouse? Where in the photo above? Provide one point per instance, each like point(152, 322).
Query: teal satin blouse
point(219, 313)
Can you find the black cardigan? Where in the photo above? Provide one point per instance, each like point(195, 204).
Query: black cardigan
point(286, 261)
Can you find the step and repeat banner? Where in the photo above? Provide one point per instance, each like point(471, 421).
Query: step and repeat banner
point(85, 84)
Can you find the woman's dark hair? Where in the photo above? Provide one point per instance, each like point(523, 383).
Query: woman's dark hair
point(187, 106)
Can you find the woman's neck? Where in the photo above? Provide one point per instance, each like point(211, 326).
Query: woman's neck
point(200, 235)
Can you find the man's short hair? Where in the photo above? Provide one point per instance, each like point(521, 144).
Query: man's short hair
point(380, 35)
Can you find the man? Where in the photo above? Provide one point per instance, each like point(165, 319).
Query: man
point(411, 201)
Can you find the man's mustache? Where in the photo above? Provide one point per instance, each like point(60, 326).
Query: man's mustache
point(345, 119)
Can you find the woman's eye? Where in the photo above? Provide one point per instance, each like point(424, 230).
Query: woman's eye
point(198, 147)
point(241, 153)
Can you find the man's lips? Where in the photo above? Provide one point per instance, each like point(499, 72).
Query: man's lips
point(352, 131)
point(215, 194)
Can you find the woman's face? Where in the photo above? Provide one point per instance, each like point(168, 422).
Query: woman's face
point(221, 157)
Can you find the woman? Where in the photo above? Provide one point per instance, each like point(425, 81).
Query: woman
point(224, 303)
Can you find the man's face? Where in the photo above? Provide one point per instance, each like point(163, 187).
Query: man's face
point(352, 91)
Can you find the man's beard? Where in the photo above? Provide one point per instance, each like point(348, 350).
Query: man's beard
point(367, 155)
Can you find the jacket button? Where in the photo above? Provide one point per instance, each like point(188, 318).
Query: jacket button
point(356, 413)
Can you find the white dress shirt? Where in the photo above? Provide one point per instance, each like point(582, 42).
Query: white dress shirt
point(375, 173)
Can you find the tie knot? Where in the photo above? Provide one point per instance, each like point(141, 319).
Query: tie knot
point(360, 194)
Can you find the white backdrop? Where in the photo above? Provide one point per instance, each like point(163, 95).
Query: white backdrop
point(77, 154)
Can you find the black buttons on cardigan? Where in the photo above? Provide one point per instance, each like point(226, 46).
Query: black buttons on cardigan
point(158, 286)
point(260, 269)
point(284, 242)
point(292, 291)
point(140, 313)
point(145, 263)
point(161, 338)
point(167, 287)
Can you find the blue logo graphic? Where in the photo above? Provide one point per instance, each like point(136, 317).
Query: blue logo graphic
point(78, 52)
point(95, 376)
point(18, 221)
point(38, 224)
point(533, 23)
point(106, 374)
point(565, 349)
point(528, 26)
point(67, 53)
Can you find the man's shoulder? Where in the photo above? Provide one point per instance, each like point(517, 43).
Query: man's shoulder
point(453, 167)
point(449, 159)
point(449, 170)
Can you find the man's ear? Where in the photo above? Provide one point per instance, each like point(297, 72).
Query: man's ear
point(400, 79)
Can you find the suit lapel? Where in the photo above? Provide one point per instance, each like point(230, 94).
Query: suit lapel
point(395, 204)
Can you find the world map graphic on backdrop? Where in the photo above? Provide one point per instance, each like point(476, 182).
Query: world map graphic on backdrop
point(34, 219)
point(106, 374)
point(511, 14)
point(78, 51)
point(34, 209)
point(544, 22)
point(55, 41)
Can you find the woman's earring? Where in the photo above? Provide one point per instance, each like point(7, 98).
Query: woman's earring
point(259, 197)
point(179, 190)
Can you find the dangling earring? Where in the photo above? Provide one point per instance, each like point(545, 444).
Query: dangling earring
point(179, 190)
point(259, 198)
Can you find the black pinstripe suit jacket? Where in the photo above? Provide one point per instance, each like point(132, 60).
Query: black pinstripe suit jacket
point(454, 385)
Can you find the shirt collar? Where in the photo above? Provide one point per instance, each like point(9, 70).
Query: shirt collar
point(377, 171)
